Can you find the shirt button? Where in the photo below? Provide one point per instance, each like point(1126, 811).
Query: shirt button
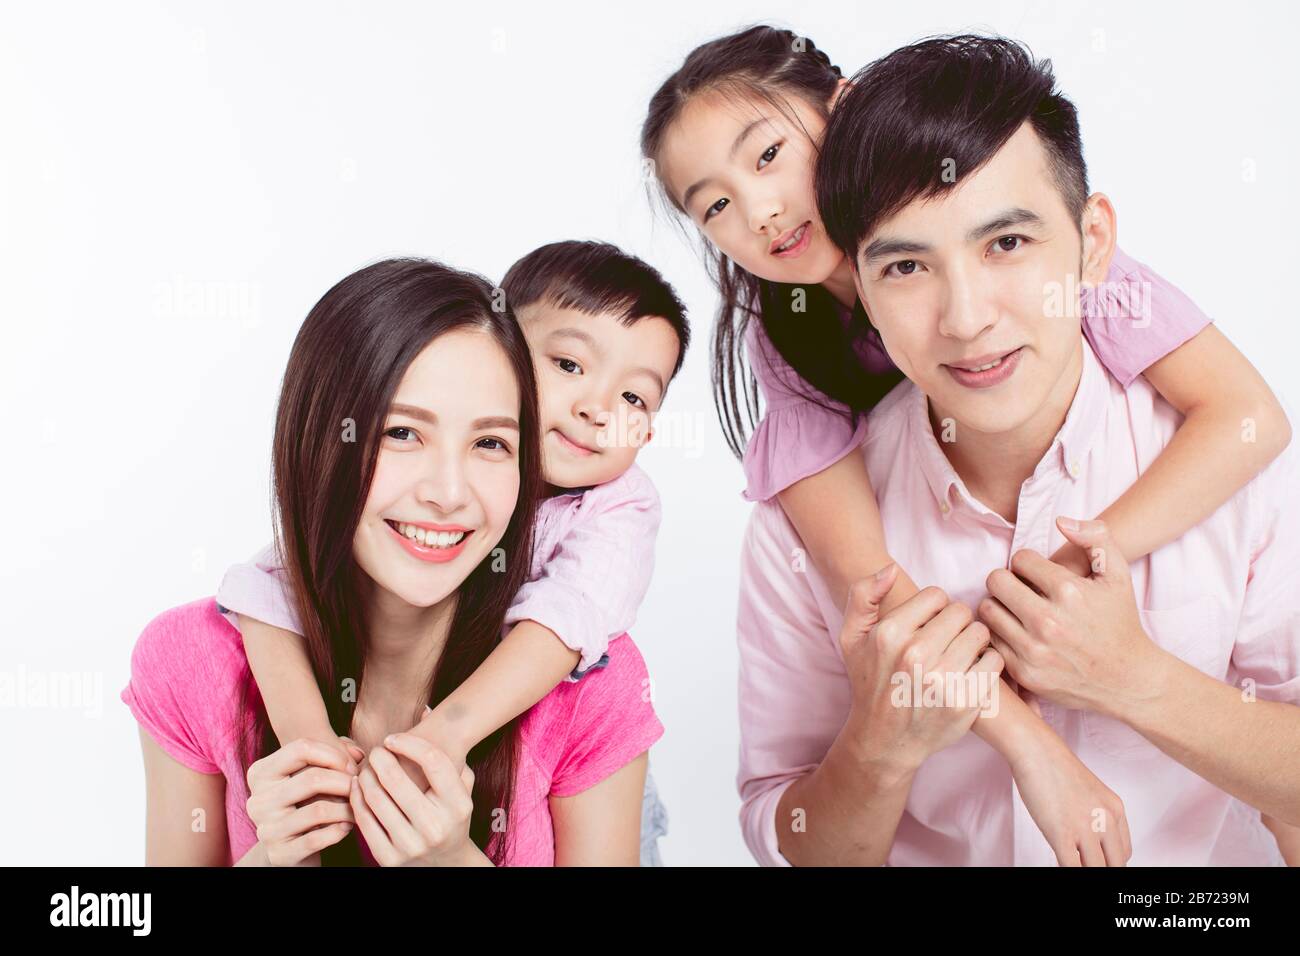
point(1074, 468)
point(945, 507)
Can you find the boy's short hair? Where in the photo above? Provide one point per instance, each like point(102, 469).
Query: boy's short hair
point(914, 123)
point(597, 278)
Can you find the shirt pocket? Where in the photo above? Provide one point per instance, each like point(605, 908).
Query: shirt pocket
point(1191, 632)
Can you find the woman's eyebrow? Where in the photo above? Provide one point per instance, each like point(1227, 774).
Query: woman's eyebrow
point(424, 415)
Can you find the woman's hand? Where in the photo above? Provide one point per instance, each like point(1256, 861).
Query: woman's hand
point(1081, 817)
point(293, 826)
point(405, 826)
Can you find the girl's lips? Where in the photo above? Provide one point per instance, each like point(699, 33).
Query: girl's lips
point(798, 248)
point(989, 377)
point(571, 445)
point(432, 555)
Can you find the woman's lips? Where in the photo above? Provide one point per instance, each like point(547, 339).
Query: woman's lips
point(424, 553)
point(988, 377)
point(573, 446)
point(798, 248)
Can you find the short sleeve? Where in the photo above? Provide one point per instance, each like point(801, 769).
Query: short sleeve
point(797, 436)
point(590, 588)
point(1136, 318)
point(613, 722)
point(1267, 648)
point(257, 588)
point(174, 690)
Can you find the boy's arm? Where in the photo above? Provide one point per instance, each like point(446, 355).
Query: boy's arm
point(278, 659)
point(519, 672)
point(1233, 428)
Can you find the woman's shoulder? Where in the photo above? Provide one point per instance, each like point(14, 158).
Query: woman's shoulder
point(189, 637)
point(584, 730)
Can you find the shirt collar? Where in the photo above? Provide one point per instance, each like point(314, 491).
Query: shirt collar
point(1067, 454)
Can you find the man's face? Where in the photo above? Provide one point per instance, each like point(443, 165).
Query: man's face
point(975, 292)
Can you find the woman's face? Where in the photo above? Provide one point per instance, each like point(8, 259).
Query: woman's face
point(743, 171)
point(447, 478)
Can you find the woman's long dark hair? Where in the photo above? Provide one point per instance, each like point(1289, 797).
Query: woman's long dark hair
point(803, 323)
point(343, 373)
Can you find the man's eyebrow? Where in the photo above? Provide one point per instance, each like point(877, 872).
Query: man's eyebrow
point(886, 246)
point(1015, 216)
point(424, 415)
point(731, 154)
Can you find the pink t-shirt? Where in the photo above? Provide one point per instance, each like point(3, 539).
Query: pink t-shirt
point(592, 561)
point(1132, 320)
point(188, 669)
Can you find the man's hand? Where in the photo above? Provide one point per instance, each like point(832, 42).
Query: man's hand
point(926, 634)
point(1074, 640)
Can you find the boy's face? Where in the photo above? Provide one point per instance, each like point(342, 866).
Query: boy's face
point(986, 273)
point(599, 383)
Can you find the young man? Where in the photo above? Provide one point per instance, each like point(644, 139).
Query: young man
point(1174, 680)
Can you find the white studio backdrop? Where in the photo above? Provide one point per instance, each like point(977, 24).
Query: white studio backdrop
point(180, 182)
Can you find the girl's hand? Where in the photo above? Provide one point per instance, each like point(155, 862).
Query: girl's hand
point(404, 826)
point(293, 826)
point(1081, 817)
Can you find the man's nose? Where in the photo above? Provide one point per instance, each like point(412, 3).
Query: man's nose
point(966, 311)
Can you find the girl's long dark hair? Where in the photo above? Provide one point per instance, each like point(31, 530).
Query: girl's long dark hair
point(344, 370)
point(803, 323)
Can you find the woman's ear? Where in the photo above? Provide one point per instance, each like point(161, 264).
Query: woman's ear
point(1098, 228)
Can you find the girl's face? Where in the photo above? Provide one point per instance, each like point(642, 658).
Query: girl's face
point(447, 477)
point(743, 171)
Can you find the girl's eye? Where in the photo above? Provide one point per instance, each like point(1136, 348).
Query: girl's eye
point(716, 208)
point(906, 267)
point(564, 364)
point(394, 433)
point(769, 154)
point(492, 444)
point(634, 399)
point(1016, 242)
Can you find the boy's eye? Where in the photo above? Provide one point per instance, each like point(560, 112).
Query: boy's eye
point(565, 364)
point(716, 208)
point(769, 154)
point(634, 399)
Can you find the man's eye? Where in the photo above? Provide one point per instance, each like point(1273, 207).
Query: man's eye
point(565, 364)
point(769, 154)
point(1015, 243)
point(634, 399)
point(905, 267)
point(716, 208)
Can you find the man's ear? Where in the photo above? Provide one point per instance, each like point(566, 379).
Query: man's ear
point(1099, 229)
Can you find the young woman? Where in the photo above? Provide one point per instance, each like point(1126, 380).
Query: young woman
point(733, 136)
point(407, 401)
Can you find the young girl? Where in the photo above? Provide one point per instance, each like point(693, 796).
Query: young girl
point(409, 399)
point(733, 138)
point(607, 336)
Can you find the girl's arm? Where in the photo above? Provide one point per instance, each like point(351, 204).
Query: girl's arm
point(1233, 428)
point(278, 659)
point(174, 793)
point(520, 671)
point(601, 826)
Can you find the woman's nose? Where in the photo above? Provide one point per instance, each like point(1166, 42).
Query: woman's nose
point(446, 487)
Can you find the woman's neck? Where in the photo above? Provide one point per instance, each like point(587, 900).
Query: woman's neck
point(404, 644)
point(840, 284)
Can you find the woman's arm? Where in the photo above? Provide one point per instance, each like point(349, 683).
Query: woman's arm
point(1233, 427)
point(185, 816)
point(601, 826)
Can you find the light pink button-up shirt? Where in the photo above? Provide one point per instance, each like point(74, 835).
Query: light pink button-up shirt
point(1222, 597)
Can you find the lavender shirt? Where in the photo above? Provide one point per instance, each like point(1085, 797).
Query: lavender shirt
point(1132, 321)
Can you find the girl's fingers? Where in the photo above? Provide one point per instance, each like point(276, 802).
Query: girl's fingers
point(1112, 845)
point(371, 830)
point(1091, 854)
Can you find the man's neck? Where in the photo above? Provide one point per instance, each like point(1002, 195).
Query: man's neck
point(994, 466)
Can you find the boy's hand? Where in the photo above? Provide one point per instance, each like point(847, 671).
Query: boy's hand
point(1082, 819)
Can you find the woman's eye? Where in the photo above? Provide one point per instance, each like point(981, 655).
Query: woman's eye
point(398, 431)
point(905, 267)
point(565, 364)
point(492, 444)
point(1015, 243)
point(634, 399)
point(769, 154)
point(716, 208)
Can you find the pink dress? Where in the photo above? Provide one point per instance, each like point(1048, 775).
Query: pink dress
point(1132, 321)
point(188, 670)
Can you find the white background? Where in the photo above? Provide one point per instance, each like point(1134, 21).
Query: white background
point(181, 182)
